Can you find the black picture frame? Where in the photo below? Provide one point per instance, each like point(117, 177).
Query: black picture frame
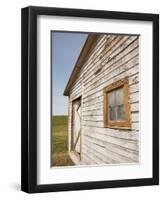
point(29, 99)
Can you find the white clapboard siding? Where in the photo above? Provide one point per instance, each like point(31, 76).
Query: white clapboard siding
point(117, 133)
point(99, 154)
point(134, 126)
point(132, 77)
point(130, 144)
point(135, 107)
point(111, 151)
point(114, 57)
point(118, 60)
point(100, 118)
point(91, 66)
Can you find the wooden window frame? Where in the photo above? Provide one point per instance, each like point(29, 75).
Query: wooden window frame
point(117, 124)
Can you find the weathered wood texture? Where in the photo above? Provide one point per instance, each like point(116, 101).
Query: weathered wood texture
point(113, 58)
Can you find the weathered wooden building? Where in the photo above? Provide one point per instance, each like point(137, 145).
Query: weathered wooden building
point(103, 92)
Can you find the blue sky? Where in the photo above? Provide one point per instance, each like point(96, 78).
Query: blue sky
point(66, 48)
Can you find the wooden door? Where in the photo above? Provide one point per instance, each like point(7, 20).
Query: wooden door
point(76, 126)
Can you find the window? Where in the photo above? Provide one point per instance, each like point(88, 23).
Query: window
point(116, 105)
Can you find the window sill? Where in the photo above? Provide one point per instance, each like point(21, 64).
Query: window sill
point(118, 127)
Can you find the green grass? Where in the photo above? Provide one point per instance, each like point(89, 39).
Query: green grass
point(60, 155)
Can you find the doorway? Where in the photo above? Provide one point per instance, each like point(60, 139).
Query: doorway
point(76, 127)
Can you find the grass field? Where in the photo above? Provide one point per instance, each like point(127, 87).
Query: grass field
point(60, 155)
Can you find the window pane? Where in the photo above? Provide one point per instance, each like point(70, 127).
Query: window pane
point(116, 104)
point(120, 112)
point(112, 101)
point(112, 113)
point(119, 96)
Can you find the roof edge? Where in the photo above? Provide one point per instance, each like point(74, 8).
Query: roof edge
point(88, 45)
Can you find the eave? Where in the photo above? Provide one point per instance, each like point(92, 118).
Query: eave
point(84, 54)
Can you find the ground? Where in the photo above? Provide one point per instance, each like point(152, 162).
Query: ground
point(60, 155)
